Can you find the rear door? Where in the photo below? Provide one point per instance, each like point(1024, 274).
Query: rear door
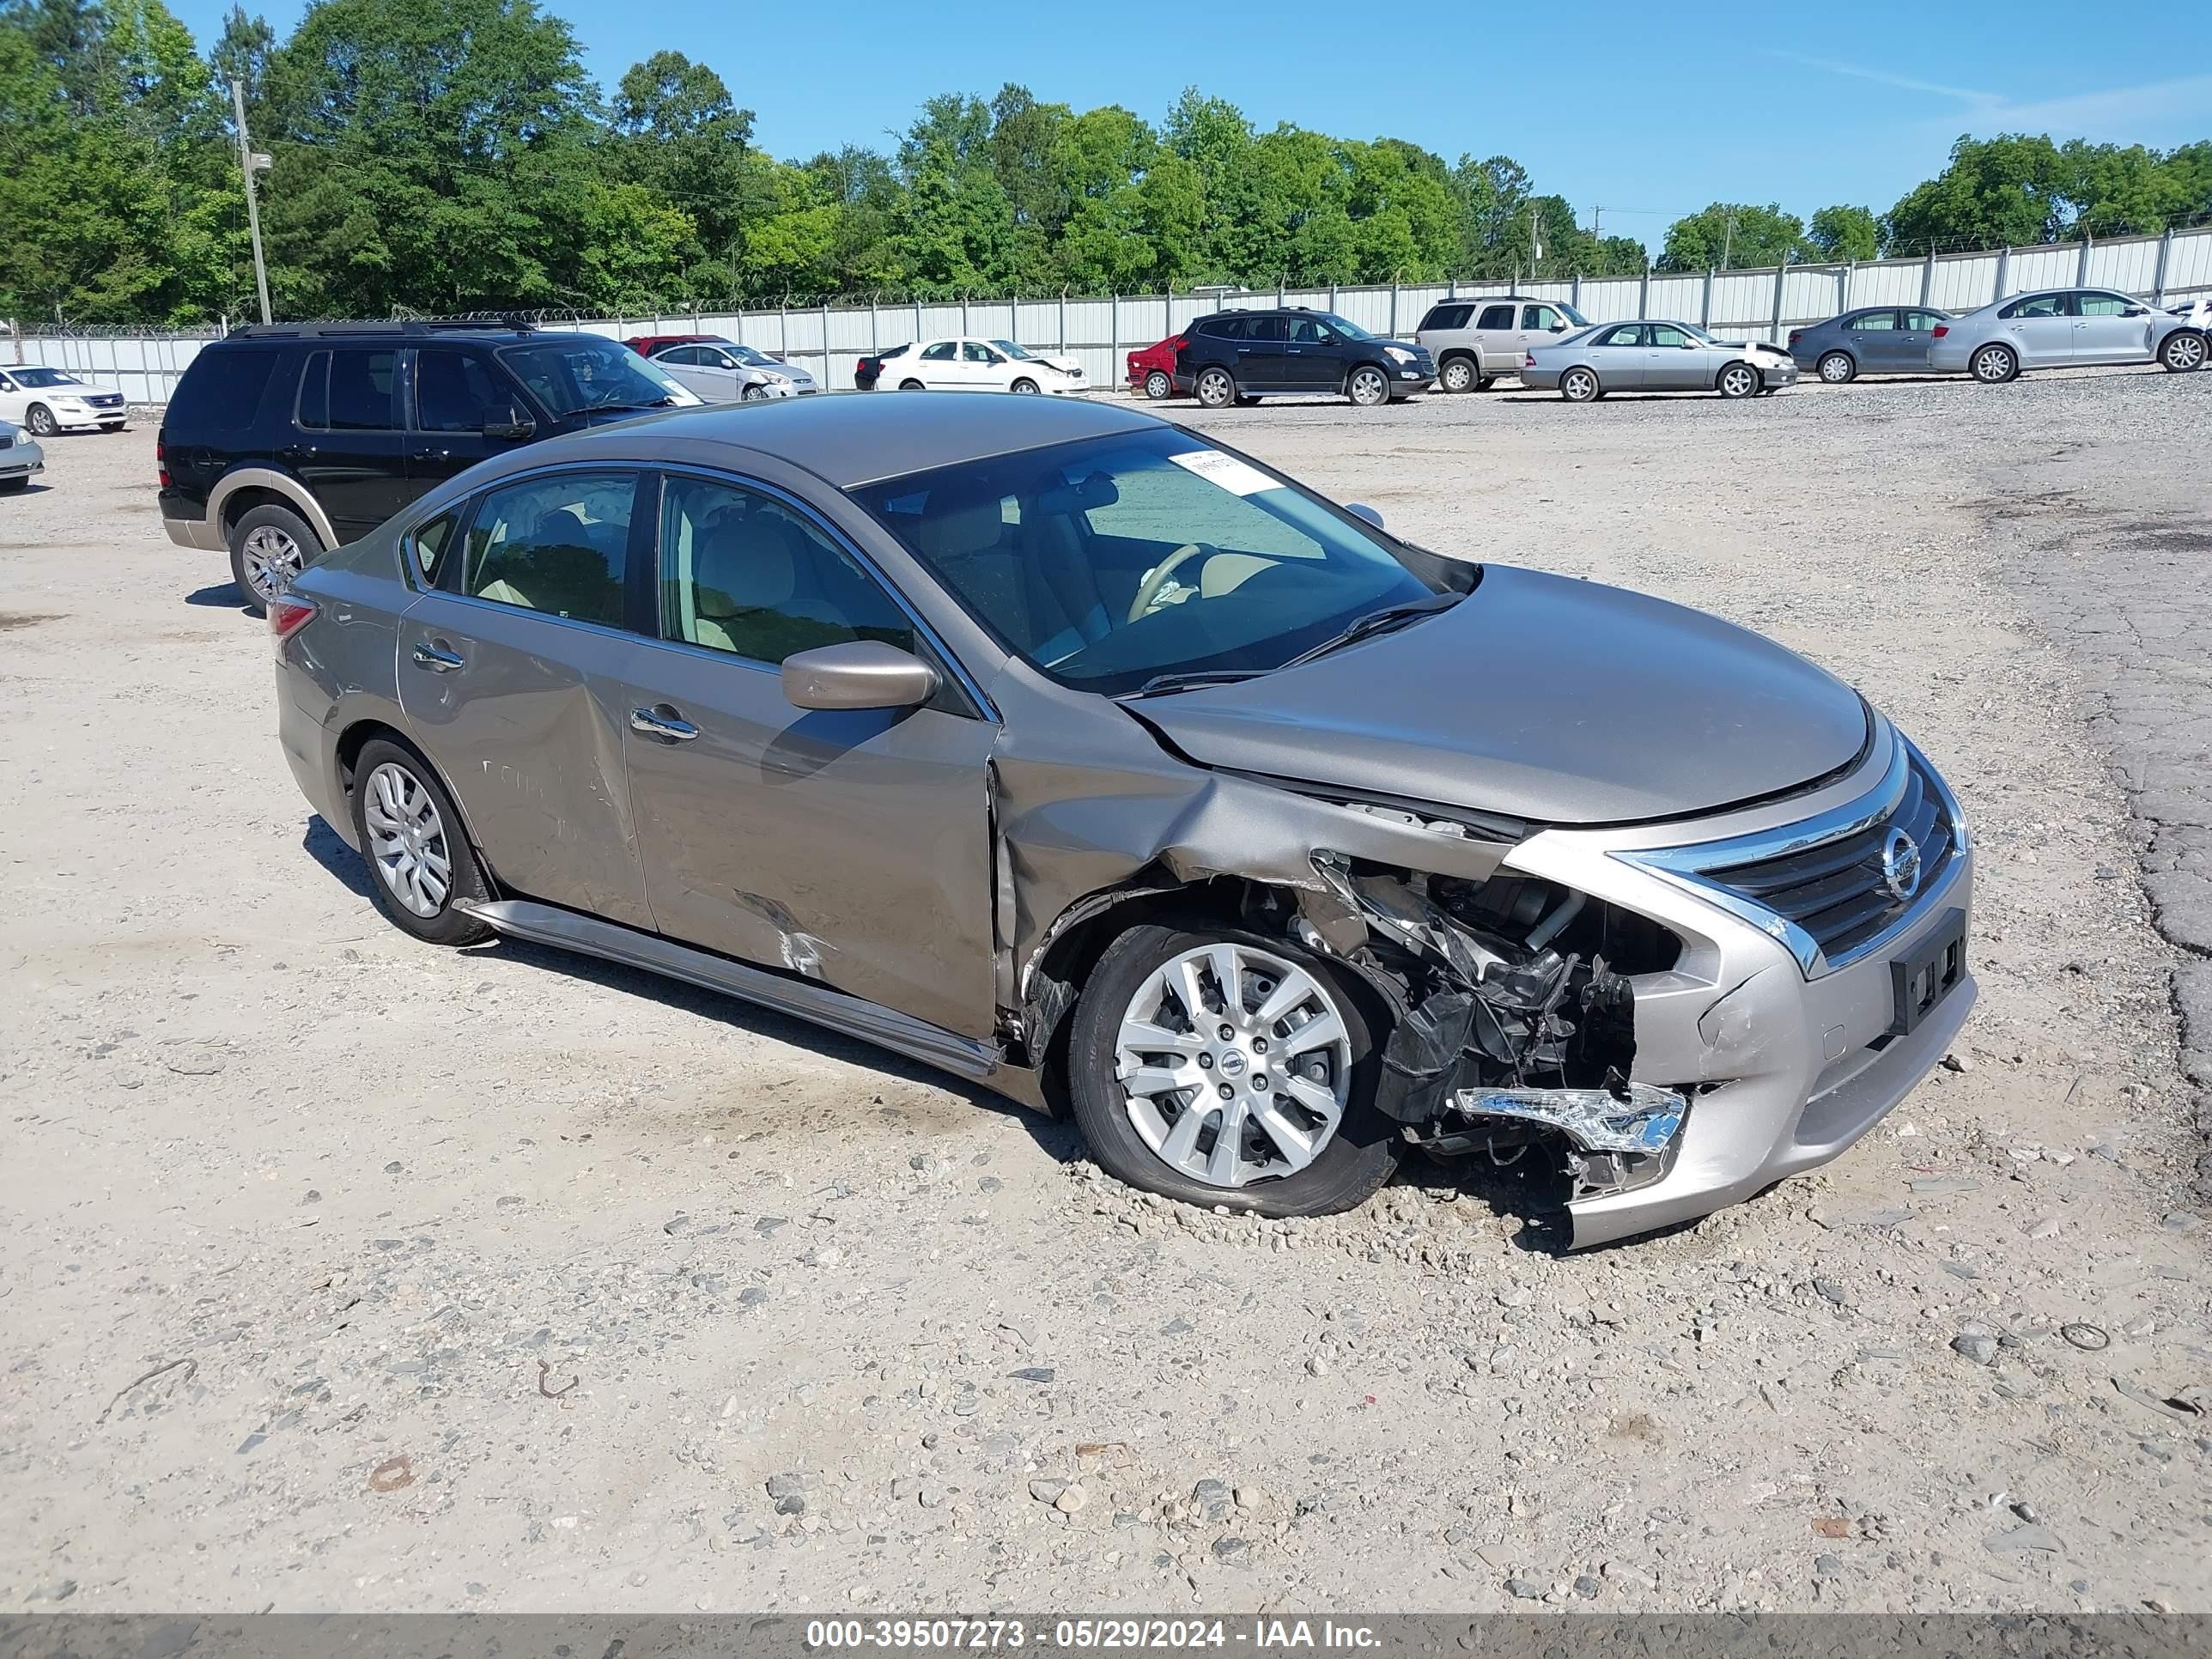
point(1497, 336)
point(349, 444)
point(2042, 327)
point(1263, 360)
point(463, 411)
point(852, 846)
point(937, 365)
point(509, 677)
point(2105, 331)
point(1876, 340)
point(1617, 354)
point(692, 367)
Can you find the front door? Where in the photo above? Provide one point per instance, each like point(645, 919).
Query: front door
point(854, 847)
point(1673, 361)
point(1915, 337)
point(1313, 357)
point(1540, 325)
point(508, 677)
point(2103, 332)
point(1617, 354)
point(464, 410)
point(349, 447)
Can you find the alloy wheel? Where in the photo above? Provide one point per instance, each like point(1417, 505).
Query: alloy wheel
point(755, 394)
point(2183, 352)
point(1993, 364)
point(1369, 388)
point(1458, 375)
point(407, 840)
point(1738, 381)
point(1579, 386)
point(272, 558)
point(1234, 1064)
point(41, 421)
point(1215, 389)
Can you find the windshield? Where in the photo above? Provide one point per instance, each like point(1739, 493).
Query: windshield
point(39, 377)
point(752, 358)
point(1697, 333)
point(1350, 330)
point(1570, 313)
point(571, 373)
point(1110, 562)
point(1011, 349)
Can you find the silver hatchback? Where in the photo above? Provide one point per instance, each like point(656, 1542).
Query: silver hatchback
point(1066, 750)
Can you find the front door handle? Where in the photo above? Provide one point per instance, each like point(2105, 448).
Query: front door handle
point(662, 721)
point(436, 659)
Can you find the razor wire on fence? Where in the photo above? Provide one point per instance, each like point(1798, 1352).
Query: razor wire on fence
point(828, 338)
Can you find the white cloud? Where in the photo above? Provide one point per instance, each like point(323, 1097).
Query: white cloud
point(2132, 112)
point(1883, 77)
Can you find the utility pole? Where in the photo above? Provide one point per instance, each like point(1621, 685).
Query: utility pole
point(251, 162)
point(1728, 241)
point(1536, 244)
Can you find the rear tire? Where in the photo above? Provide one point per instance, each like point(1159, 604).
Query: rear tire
point(1993, 365)
point(1215, 389)
point(1458, 374)
point(268, 546)
point(2183, 352)
point(9, 486)
point(909, 385)
point(1352, 1164)
point(1580, 385)
point(412, 838)
point(1158, 384)
point(1838, 367)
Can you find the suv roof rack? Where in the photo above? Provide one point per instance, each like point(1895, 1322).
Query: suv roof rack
point(407, 328)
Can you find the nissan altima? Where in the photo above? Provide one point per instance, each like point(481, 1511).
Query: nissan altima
point(1077, 755)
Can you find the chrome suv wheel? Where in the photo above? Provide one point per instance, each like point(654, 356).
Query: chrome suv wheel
point(1368, 387)
point(1457, 374)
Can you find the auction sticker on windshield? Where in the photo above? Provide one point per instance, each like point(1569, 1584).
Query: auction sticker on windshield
point(1237, 477)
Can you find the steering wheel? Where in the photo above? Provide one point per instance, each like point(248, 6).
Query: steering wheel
point(1150, 589)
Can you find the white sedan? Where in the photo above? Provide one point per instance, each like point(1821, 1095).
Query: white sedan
point(47, 401)
point(964, 365)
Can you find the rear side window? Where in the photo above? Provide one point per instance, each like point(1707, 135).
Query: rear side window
point(1495, 317)
point(1447, 316)
point(1230, 328)
point(350, 390)
point(431, 541)
point(555, 545)
point(221, 390)
point(2045, 305)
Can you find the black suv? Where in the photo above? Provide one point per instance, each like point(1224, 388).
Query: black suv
point(282, 441)
point(1240, 356)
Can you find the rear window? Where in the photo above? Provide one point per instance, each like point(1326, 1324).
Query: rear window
point(222, 389)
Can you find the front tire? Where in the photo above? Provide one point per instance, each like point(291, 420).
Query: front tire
point(422, 868)
point(2183, 352)
point(1839, 368)
point(1458, 374)
point(1215, 389)
point(1579, 386)
point(909, 385)
point(1297, 1132)
point(1993, 365)
point(1737, 381)
point(41, 421)
point(754, 394)
point(1158, 384)
point(1026, 387)
point(268, 546)
point(1368, 387)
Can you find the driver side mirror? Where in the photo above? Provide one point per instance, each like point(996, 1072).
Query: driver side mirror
point(857, 674)
point(2136, 311)
point(1361, 510)
point(517, 426)
point(1558, 328)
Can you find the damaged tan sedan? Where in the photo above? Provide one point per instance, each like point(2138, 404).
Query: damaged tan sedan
point(1059, 748)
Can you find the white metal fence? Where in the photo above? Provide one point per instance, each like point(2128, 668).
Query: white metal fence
point(1766, 304)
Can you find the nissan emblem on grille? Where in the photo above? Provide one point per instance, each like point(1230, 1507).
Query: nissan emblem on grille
point(1900, 864)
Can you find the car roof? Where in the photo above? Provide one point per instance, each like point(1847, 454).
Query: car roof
point(850, 439)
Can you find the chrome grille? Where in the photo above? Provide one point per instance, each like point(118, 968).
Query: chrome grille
point(1839, 891)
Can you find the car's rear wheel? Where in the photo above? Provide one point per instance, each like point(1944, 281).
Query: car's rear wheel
point(2183, 352)
point(1457, 374)
point(1158, 384)
point(1579, 386)
point(268, 546)
point(1737, 381)
point(41, 421)
point(1993, 365)
point(1024, 385)
point(1368, 387)
point(1215, 389)
point(1216, 1067)
point(1838, 367)
point(422, 868)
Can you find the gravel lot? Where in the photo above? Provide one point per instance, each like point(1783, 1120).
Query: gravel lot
point(343, 1274)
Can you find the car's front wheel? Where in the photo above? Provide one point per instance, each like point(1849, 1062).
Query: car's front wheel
point(40, 420)
point(1215, 1066)
point(754, 394)
point(1993, 365)
point(1838, 367)
point(2183, 352)
point(909, 385)
point(1158, 385)
point(1738, 380)
point(1578, 385)
point(1215, 389)
point(268, 546)
point(422, 868)
point(1369, 387)
point(1026, 385)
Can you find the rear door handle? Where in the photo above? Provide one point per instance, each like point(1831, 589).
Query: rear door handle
point(436, 660)
point(662, 722)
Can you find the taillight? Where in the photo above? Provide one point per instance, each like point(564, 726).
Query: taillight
point(1528, 362)
point(288, 614)
point(1178, 343)
point(1941, 329)
point(161, 463)
point(1795, 335)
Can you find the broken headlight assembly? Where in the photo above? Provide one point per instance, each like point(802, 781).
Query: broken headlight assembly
point(1517, 1017)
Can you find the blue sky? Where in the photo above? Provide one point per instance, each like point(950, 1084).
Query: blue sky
point(1609, 105)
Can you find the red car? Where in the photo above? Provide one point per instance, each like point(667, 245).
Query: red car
point(646, 344)
point(1152, 371)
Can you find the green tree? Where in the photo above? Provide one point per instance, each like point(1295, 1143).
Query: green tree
point(1735, 235)
point(1844, 234)
point(1995, 192)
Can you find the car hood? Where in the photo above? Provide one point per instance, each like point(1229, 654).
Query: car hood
point(1071, 365)
point(1538, 697)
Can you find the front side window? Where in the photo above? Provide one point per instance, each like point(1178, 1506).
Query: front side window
point(741, 573)
point(2103, 304)
point(1627, 334)
point(1310, 331)
point(1539, 317)
point(1496, 317)
point(458, 391)
point(1874, 322)
point(1111, 560)
point(1661, 335)
point(554, 544)
point(976, 352)
point(578, 373)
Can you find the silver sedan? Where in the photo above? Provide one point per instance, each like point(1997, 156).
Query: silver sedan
point(1648, 357)
point(2063, 328)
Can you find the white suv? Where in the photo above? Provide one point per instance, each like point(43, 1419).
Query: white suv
point(1475, 341)
point(46, 401)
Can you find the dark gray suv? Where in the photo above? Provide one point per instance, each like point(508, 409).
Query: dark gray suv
point(1060, 748)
